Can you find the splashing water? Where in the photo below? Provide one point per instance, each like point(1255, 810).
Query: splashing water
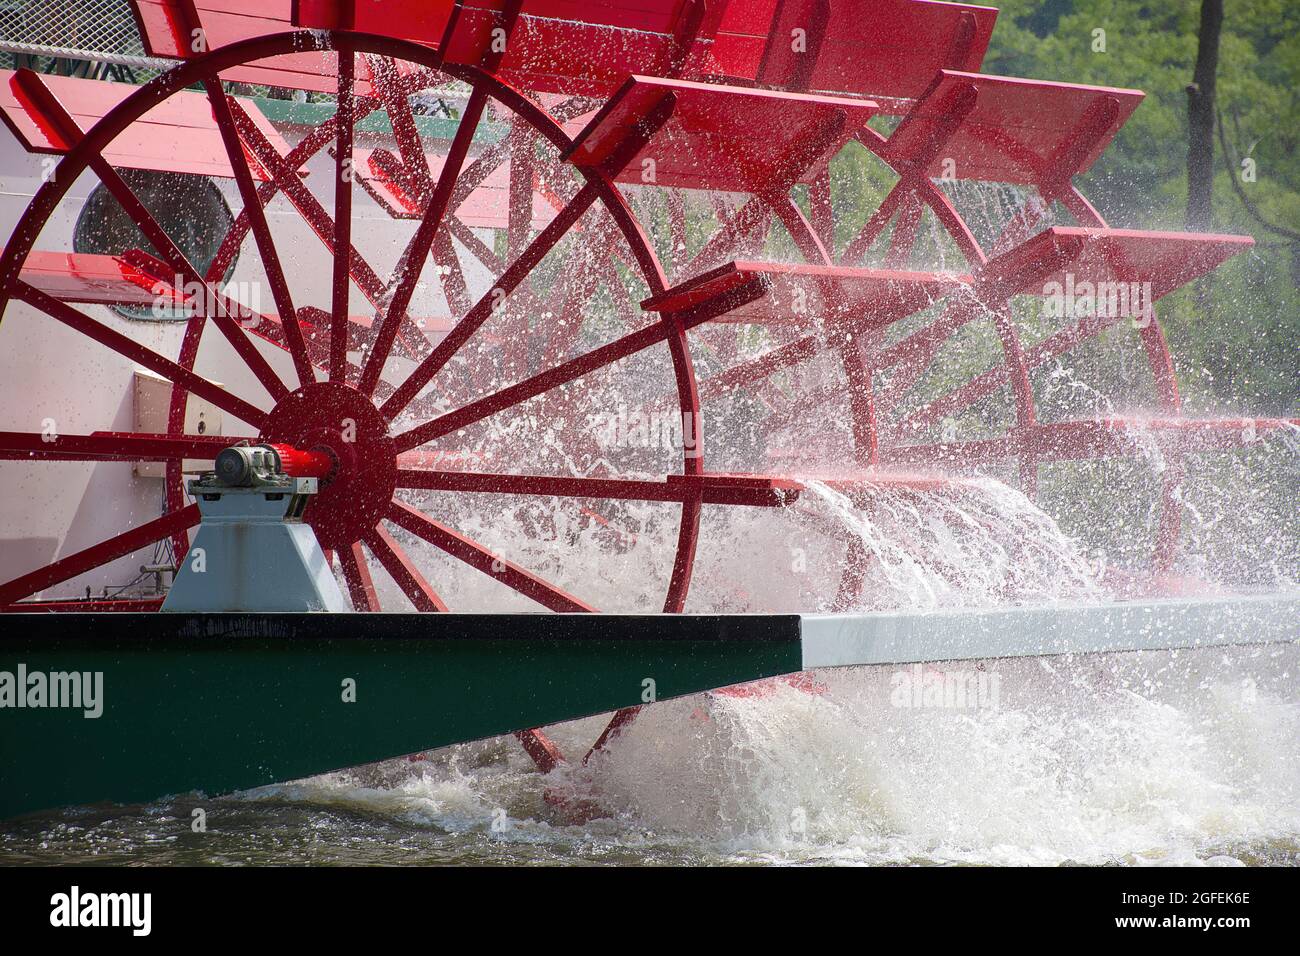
point(974, 542)
point(1145, 758)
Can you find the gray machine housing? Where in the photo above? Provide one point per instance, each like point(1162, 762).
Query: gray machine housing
point(253, 552)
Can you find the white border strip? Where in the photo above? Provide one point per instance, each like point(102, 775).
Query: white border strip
point(834, 640)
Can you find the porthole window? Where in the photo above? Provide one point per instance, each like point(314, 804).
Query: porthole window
point(190, 209)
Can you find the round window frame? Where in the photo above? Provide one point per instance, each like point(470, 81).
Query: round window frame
point(158, 314)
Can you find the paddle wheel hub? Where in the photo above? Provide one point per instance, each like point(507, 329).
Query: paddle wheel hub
point(339, 420)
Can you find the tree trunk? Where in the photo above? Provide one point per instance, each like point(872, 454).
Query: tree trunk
point(1200, 119)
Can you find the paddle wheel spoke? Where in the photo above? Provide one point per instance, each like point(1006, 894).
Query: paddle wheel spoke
point(520, 214)
point(219, 309)
point(317, 350)
point(138, 353)
point(356, 574)
point(98, 555)
point(256, 216)
point(400, 568)
point(480, 558)
point(411, 262)
point(674, 488)
point(821, 206)
point(483, 309)
point(621, 720)
point(455, 287)
point(909, 359)
point(112, 446)
point(476, 246)
point(541, 749)
point(389, 87)
point(458, 293)
point(177, 260)
point(747, 220)
point(763, 366)
point(325, 228)
point(988, 382)
point(862, 407)
point(532, 387)
point(601, 237)
point(566, 330)
point(476, 173)
point(310, 145)
point(342, 244)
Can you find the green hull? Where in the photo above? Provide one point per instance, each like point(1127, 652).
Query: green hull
point(225, 702)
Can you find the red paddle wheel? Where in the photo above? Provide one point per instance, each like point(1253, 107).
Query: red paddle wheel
point(626, 200)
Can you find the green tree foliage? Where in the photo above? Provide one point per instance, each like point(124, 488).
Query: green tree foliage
point(1235, 335)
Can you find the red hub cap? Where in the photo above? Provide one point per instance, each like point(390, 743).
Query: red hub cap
point(338, 418)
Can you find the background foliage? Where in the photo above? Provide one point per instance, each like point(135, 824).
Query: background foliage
point(1235, 335)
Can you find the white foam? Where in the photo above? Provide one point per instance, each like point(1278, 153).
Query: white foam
point(1150, 758)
